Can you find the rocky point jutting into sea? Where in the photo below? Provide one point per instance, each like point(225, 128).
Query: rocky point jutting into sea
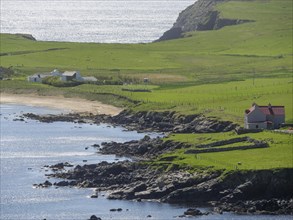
point(201, 16)
point(240, 191)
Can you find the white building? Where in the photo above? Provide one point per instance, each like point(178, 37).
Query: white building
point(66, 76)
point(38, 77)
point(264, 117)
point(71, 75)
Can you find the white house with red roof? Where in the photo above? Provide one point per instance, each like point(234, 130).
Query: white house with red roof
point(264, 117)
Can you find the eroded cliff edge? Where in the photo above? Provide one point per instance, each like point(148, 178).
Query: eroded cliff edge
point(200, 16)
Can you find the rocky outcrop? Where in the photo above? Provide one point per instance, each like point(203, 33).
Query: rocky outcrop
point(252, 191)
point(200, 16)
point(170, 122)
point(263, 207)
point(27, 36)
point(145, 148)
point(146, 121)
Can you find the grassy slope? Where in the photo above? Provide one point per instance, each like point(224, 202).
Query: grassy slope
point(278, 155)
point(210, 72)
point(232, 52)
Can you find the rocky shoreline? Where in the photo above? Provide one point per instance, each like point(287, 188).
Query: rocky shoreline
point(244, 192)
point(145, 121)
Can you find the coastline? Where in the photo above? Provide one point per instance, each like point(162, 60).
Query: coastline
point(76, 105)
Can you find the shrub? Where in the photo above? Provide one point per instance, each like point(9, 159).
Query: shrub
point(55, 81)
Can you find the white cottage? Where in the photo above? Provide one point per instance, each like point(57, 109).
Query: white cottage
point(264, 117)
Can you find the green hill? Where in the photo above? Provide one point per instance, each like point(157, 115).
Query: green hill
point(217, 72)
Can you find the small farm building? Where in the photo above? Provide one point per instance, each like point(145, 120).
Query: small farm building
point(71, 75)
point(37, 77)
point(264, 117)
point(66, 76)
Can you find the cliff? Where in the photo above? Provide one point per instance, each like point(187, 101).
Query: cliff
point(200, 16)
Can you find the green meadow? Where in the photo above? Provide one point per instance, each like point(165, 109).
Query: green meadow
point(217, 73)
point(277, 155)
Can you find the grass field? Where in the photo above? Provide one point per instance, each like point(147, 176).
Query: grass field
point(231, 53)
point(217, 73)
point(277, 155)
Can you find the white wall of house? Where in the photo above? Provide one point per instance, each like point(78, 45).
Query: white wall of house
point(256, 115)
point(34, 79)
point(258, 125)
point(78, 76)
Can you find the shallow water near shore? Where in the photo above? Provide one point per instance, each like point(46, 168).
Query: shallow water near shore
point(27, 146)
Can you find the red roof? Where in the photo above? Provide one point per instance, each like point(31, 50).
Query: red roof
point(273, 110)
point(268, 110)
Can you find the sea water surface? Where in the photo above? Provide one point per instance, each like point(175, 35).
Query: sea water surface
point(27, 146)
point(105, 21)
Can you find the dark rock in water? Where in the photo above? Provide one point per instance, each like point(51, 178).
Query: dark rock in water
point(149, 216)
point(96, 145)
point(93, 217)
point(47, 183)
point(94, 196)
point(18, 119)
point(60, 166)
point(193, 212)
point(62, 183)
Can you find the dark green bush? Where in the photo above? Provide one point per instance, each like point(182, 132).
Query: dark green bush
point(55, 81)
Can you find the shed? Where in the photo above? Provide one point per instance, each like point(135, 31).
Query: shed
point(71, 75)
point(38, 77)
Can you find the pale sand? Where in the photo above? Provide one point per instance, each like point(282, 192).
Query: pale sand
point(58, 102)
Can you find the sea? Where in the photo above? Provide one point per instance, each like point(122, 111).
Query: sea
point(102, 21)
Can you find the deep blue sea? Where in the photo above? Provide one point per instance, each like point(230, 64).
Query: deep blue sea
point(108, 21)
point(27, 146)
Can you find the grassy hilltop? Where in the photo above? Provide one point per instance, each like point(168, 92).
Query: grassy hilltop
point(218, 73)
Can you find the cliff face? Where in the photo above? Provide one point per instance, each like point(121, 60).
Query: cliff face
point(200, 16)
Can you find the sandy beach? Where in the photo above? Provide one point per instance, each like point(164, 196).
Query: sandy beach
point(58, 102)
